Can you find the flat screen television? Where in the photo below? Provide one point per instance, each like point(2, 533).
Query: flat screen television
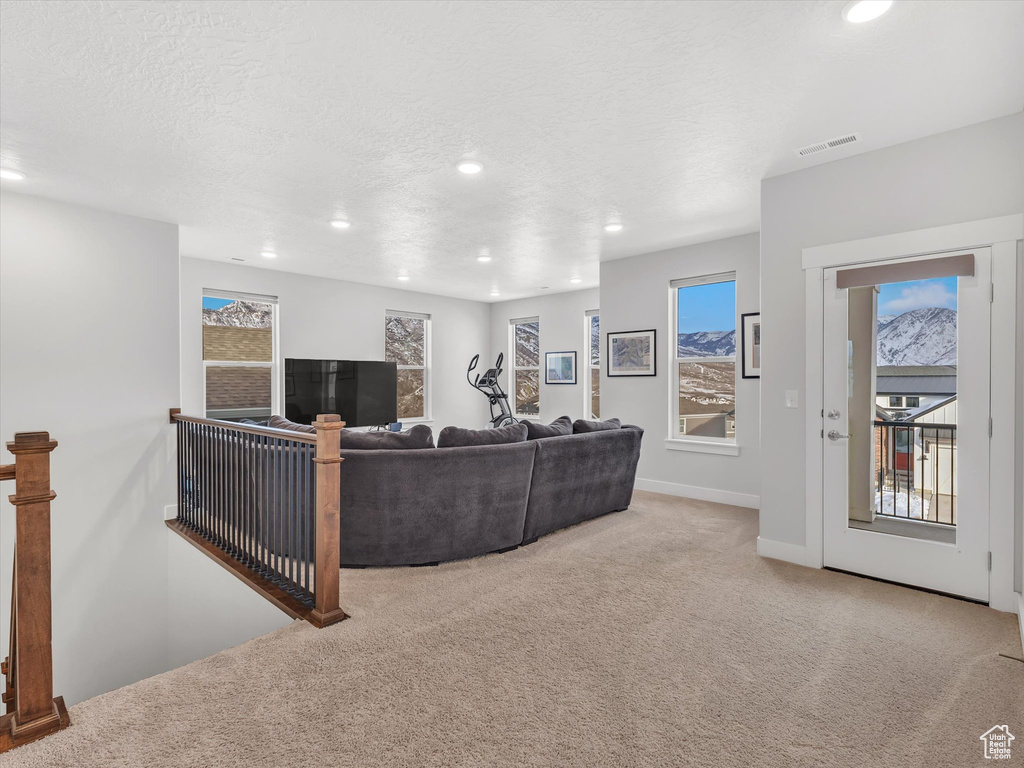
point(363, 392)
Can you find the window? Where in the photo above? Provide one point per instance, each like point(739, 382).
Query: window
point(705, 357)
point(895, 402)
point(239, 372)
point(407, 343)
point(526, 365)
point(913, 402)
point(593, 331)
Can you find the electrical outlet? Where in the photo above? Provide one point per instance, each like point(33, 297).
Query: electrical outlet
point(792, 398)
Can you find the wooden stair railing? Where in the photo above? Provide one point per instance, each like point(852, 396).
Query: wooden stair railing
point(32, 710)
point(265, 504)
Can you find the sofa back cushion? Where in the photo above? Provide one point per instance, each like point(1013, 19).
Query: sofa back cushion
point(280, 422)
point(419, 436)
point(560, 426)
point(581, 425)
point(457, 437)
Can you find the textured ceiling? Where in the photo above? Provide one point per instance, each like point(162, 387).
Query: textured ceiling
point(252, 124)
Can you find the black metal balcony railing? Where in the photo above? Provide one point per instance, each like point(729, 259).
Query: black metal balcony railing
point(916, 471)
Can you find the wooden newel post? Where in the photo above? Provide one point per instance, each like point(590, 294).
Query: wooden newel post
point(32, 711)
point(326, 568)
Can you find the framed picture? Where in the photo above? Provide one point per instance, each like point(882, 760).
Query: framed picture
point(559, 367)
point(751, 337)
point(632, 353)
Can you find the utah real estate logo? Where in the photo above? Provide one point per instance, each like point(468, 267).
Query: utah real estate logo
point(997, 742)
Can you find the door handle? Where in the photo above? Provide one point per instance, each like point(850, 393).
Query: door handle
point(833, 434)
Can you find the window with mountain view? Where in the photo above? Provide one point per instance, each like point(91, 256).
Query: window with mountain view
point(238, 356)
point(593, 330)
point(406, 343)
point(525, 366)
point(705, 357)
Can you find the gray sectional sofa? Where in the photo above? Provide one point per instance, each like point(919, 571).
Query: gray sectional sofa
point(415, 507)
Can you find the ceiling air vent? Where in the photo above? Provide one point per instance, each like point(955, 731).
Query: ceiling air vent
point(824, 146)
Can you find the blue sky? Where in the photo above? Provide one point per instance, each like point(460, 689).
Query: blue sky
point(897, 298)
point(209, 303)
point(707, 307)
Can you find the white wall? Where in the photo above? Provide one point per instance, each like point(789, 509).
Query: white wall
point(635, 296)
point(321, 318)
point(562, 329)
point(964, 175)
point(88, 351)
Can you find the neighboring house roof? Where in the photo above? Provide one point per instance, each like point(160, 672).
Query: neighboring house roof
point(915, 380)
point(919, 412)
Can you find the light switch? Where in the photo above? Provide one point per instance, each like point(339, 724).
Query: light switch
point(792, 398)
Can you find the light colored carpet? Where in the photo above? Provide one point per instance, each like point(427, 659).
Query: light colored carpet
point(652, 637)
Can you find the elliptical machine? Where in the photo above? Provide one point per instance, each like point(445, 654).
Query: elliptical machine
point(487, 382)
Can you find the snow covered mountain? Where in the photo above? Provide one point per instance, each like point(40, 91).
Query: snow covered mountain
point(240, 314)
point(919, 337)
point(707, 344)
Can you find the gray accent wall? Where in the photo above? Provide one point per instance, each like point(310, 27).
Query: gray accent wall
point(635, 296)
point(972, 173)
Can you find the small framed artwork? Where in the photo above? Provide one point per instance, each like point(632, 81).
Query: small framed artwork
point(559, 367)
point(751, 338)
point(632, 353)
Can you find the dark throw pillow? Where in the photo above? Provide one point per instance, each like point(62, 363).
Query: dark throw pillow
point(580, 425)
point(457, 437)
point(419, 436)
point(280, 422)
point(560, 426)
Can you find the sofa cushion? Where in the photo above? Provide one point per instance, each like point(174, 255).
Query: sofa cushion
point(456, 437)
point(581, 425)
point(560, 426)
point(280, 422)
point(419, 436)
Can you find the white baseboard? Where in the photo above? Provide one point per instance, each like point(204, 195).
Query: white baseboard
point(748, 500)
point(780, 550)
point(1020, 617)
point(170, 511)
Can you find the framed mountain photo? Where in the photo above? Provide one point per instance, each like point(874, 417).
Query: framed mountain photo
point(632, 353)
point(751, 330)
point(559, 367)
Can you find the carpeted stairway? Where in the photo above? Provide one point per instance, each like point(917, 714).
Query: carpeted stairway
point(652, 637)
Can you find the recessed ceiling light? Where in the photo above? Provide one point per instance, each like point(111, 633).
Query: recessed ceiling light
point(576, 280)
point(612, 227)
point(469, 166)
point(340, 223)
point(859, 11)
point(483, 257)
point(495, 293)
point(403, 277)
point(268, 254)
point(11, 175)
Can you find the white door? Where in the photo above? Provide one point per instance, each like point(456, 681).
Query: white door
point(914, 532)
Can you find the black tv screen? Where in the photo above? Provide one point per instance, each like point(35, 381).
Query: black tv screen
point(363, 392)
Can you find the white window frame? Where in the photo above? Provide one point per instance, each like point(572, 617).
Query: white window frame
point(514, 369)
point(275, 368)
point(725, 446)
point(587, 402)
point(426, 367)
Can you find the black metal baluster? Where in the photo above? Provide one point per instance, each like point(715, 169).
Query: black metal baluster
point(924, 456)
point(305, 517)
point(277, 507)
point(952, 475)
point(246, 505)
point(293, 486)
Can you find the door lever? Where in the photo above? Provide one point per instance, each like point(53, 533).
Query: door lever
point(833, 434)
